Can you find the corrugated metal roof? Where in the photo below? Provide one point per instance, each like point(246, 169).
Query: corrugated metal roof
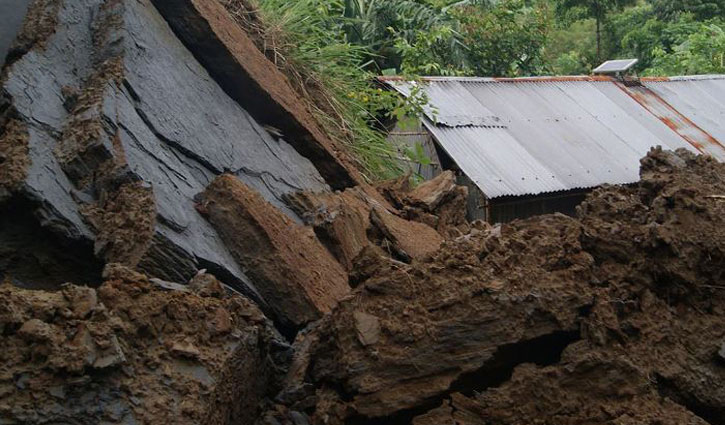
point(528, 136)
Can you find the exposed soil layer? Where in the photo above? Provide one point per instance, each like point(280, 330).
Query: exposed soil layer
point(230, 55)
point(287, 262)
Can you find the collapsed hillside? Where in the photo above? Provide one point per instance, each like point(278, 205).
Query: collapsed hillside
point(181, 242)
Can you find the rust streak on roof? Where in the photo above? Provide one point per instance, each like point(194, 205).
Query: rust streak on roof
point(680, 124)
point(653, 79)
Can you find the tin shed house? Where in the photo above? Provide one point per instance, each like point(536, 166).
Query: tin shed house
point(530, 146)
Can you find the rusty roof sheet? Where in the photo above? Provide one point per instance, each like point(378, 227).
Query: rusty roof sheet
point(528, 136)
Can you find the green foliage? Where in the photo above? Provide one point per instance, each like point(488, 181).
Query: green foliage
point(593, 9)
point(571, 50)
point(662, 34)
point(310, 38)
point(380, 25)
point(429, 53)
point(700, 9)
point(506, 39)
point(703, 52)
point(641, 34)
point(417, 155)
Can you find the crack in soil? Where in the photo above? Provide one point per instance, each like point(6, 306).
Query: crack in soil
point(545, 350)
point(711, 414)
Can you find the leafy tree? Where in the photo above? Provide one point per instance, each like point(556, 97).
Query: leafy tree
point(640, 33)
point(703, 52)
point(429, 53)
point(377, 24)
point(595, 9)
point(571, 50)
point(701, 9)
point(506, 39)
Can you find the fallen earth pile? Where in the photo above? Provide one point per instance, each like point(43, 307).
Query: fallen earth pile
point(181, 242)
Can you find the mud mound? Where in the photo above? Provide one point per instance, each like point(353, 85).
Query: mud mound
point(135, 351)
point(615, 317)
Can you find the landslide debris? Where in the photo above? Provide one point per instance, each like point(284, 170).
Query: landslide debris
point(135, 351)
point(110, 126)
point(439, 202)
point(145, 151)
point(612, 317)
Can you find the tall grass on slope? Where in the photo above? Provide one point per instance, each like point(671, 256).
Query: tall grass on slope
point(306, 39)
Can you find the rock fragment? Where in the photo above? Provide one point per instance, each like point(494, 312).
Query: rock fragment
point(206, 285)
point(185, 349)
point(341, 220)
point(431, 193)
point(409, 239)
point(286, 260)
point(368, 328)
point(83, 300)
point(111, 355)
point(35, 330)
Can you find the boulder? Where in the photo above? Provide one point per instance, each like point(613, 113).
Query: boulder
point(408, 239)
point(341, 220)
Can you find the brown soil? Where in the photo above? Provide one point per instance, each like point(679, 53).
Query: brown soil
point(340, 220)
point(14, 160)
point(131, 349)
point(407, 239)
point(124, 221)
point(286, 260)
point(615, 317)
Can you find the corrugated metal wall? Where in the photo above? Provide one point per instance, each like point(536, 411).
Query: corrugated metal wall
point(407, 136)
point(504, 210)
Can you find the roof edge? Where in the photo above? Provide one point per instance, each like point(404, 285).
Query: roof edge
point(582, 78)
